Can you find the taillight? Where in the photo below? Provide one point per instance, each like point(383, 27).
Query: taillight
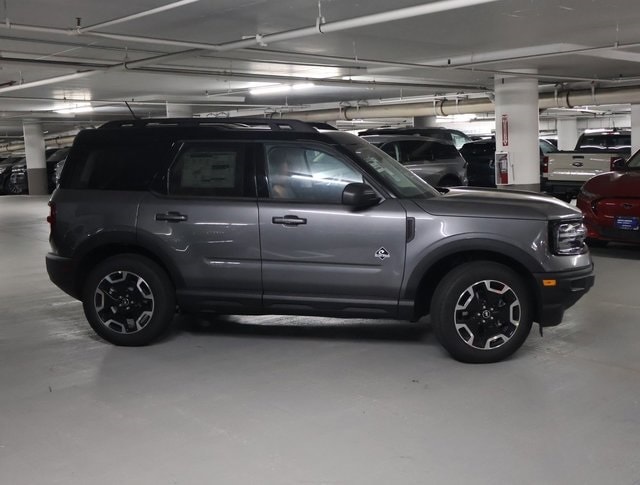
point(51, 218)
point(545, 164)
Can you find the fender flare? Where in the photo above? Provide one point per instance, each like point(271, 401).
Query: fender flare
point(465, 244)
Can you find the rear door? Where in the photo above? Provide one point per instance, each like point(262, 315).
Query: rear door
point(206, 225)
point(319, 255)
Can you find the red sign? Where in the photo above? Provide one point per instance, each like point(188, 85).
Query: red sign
point(505, 131)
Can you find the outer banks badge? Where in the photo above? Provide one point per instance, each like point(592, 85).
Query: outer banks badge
point(382, 254)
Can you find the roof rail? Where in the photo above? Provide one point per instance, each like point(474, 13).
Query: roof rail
point(223, 123)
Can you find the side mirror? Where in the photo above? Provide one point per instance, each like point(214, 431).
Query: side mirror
point(618, 164)
point(359, 195)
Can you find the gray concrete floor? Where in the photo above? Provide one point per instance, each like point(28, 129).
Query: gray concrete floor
point(280, 400)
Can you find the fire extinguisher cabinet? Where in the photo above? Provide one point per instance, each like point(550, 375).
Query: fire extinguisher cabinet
point(502, 168)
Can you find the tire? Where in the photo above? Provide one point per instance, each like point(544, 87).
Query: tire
point(129, 300)
point(481, 312)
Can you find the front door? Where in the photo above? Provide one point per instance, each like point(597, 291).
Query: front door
point(318, 255)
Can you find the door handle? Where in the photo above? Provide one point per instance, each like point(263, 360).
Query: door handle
point(289, 220)
point(171, 217)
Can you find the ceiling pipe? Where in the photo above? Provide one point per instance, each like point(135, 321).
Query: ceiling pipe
point(563, 99)
point(127, 18)
point(44, 82)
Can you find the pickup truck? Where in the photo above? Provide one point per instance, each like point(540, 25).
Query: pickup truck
point(564, 172)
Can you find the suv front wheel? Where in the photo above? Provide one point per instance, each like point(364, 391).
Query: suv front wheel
point(128, 300)
point(481, 312)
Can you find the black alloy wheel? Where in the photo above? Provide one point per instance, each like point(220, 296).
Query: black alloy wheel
point(481, 312)
point(129, 300)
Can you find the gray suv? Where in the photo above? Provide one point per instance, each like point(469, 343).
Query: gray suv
point(436, 161)
point(275, 217)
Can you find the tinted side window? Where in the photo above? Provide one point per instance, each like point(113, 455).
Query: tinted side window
point(415, 151)
point(212, 170)
point(113, 167)
point(444, 150)
point(306, 174)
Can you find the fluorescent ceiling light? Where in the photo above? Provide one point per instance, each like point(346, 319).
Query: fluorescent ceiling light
point(73, 107)
point(280, 88)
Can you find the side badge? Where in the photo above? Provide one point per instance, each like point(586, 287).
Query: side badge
point(382, 254)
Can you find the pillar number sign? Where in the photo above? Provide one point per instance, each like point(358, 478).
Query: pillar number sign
point(505, 131)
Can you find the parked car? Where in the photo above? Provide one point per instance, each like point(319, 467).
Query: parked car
point(19, 180)
point(480, 156)
point(5, 172)
point(435, 161)
point(456, 137)
point(566, 171)
point(610, 203)
point(154, 214)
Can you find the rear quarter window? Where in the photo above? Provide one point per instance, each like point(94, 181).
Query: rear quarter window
point(113, 167)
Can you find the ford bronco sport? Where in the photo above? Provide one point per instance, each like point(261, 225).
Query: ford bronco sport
point(154, 216)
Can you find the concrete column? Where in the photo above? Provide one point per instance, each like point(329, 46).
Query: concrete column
point(424, 121)
point(34, 151)
point(635, 127)
point(179, 111)
point(567, 133)
point(516, 100)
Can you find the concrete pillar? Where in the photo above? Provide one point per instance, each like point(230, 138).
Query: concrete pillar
point(567, 133)
point(424, 121)
point(34, 151)
point(516, 100)
point(635, 127)
point(179, 110)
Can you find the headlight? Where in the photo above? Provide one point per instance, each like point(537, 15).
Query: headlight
point(18, 170)
point(567, 238)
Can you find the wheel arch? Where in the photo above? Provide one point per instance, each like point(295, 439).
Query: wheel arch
point(98, 251)
point(424, 279)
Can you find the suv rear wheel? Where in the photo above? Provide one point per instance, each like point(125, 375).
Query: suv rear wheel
point(128, 300)
point(481, 312)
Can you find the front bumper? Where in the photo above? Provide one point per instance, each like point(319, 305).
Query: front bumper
point(555, 298)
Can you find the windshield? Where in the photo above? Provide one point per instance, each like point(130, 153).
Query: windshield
point(399, 180)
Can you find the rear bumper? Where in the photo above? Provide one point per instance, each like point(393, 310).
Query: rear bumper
point(554, 299)
point(62, 274)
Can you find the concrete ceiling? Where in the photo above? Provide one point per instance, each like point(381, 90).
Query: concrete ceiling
point(208, 54)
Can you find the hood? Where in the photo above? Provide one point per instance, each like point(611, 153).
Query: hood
point(615, 184)
point(498, 203)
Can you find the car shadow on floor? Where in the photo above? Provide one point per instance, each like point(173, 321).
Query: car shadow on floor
point(301, 327)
